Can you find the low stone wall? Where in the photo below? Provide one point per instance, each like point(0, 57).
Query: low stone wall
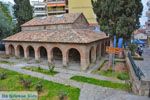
point(2, 52)
point(139, 87)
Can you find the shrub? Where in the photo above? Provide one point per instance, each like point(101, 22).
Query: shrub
point(132, 47)
point(123, 76)
point(51, 67)
point(39, 68)
point(25, 82)
point(3, 76)
point(63, 95)
point(39, 86)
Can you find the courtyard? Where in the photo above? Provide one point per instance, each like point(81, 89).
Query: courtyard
point(88, 91)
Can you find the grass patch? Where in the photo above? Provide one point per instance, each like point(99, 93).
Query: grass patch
point(51, 90)
point(102, 83)
point(40, 70)
point(6, 62)
point(111, 73)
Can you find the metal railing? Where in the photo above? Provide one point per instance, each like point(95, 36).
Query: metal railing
point(136, 69)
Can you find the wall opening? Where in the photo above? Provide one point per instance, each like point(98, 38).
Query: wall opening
point(98, 52)
point(74, 56)
point(11, 50)
point(20, 50)
point(31, 52)
point(43, 53)
point(57, 55)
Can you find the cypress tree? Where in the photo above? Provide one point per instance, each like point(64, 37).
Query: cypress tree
point(23, 11)
point(118, 17)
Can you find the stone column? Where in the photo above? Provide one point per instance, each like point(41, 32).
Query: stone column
point(37, 55)
point(85, 59)
point(65, 57)
point(7, 49)
point(49, 52)
point(26, 52)
point(94, 54)
point(16, 52)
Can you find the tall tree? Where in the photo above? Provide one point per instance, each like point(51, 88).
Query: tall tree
point(22, 11)
point(118, 17)
point(6, 25)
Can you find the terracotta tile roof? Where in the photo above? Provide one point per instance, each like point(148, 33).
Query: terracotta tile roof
point(58, 36)
point(55, 19)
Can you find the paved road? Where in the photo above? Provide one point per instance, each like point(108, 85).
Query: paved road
point(145, 64)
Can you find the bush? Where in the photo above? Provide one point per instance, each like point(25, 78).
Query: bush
point(123, 76)
point(3, 76)
point(39, 86)
point(39, 68)
point(51, 67)
point(63, 95)
point(25, 82)
point(132, 47)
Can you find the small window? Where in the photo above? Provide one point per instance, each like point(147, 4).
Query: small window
point(44, 27)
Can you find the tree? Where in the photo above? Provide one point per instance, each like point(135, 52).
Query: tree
point(6, 25)
point(22, 11)
point(118, 17)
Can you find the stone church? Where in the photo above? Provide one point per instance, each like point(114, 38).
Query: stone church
point(65, 39)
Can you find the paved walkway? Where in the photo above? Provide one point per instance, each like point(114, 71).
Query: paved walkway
point(145, 64)
point(88, 91)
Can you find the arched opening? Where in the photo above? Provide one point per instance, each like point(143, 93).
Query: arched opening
point(74, 57)
point(57, 55)
point(91, 55)
point(31, 52)
point(20, 50)
point(11, 50)
point(43, 53)
point(98, 52)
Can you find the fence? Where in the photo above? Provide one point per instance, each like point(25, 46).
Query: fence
point(136, 69)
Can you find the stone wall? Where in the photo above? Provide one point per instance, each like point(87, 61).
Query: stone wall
point(83, 49)
point(139, 87)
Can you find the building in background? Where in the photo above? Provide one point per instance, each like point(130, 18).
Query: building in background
point(148, 22)
point(83, 6)
point(39, 9)
point(55, 7)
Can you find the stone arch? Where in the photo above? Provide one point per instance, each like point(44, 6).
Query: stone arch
point(11, 49)
point(57, 55)
point(74, 56)
point(91, 55)
point(42, 52)
point(30, 52)
point(20, 51)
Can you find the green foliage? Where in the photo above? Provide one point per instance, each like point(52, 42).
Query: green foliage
point(25, 82)
point(123, 76)
point(50, 89)
point(132, 47)
point(3, 76)
point(62, 95)
point(39, 86)
point(22, 11)
point(101, 82)
point(51, 67)
point(40, 70)
point(118, 17)
point(6, 24)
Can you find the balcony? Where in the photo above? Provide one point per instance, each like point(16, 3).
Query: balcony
point(56, 11)
point(148, 13)
point(56, 1)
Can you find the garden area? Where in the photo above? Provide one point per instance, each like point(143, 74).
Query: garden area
point(119, 71)
point(47, 90)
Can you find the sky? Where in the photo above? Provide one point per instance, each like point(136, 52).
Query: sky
point(143, 19)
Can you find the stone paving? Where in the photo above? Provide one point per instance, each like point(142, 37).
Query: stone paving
point(145, 64)
point(88, 91)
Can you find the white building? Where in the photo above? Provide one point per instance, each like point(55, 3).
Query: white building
point(39, 8)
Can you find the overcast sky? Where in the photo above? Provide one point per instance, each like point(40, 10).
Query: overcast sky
point(143, 19)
